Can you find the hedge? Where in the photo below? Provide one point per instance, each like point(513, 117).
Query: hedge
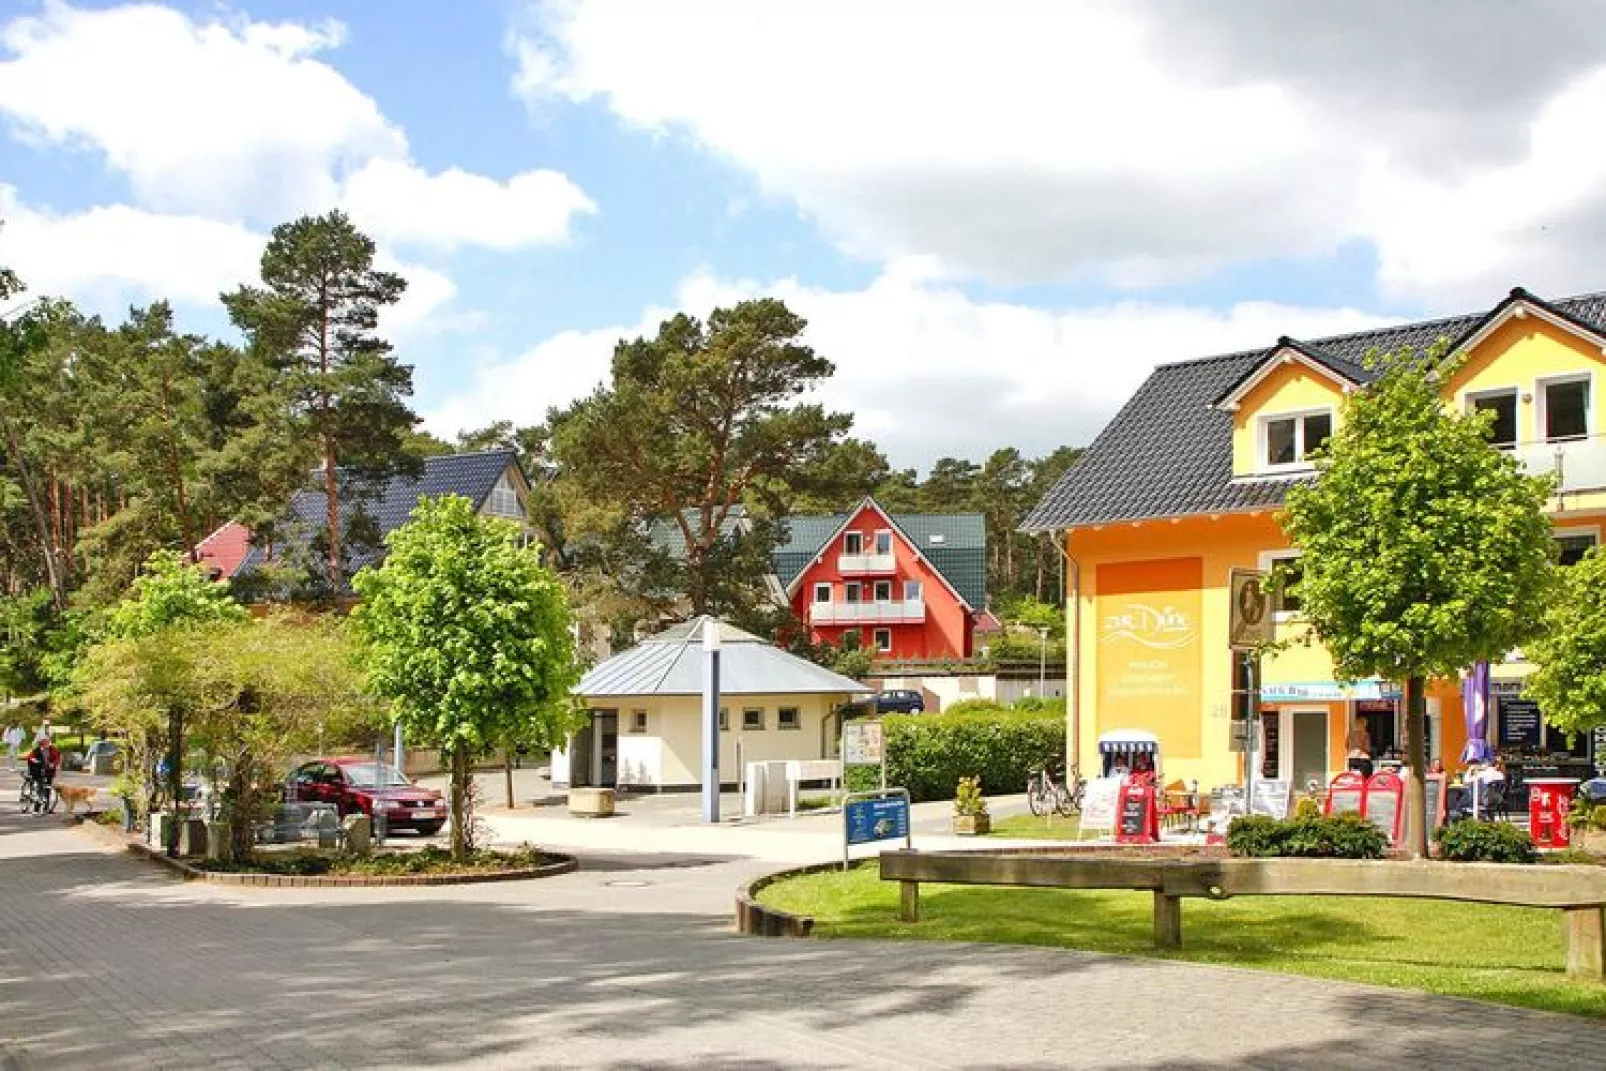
point(929, 753)
point(1341, 836)
point(1485, 842)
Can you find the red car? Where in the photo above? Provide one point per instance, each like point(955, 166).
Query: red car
point(358, 786)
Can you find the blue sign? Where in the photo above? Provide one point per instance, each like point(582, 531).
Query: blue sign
point(879, 819)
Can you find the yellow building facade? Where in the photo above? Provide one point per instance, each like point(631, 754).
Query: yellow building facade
point(1186, 484)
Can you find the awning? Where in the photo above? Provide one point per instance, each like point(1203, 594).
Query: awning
point(1327, 691)
point(1128, 742)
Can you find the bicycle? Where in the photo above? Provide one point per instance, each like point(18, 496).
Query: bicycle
point(1044, 793)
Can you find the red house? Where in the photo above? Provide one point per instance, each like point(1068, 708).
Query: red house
point(903, 585)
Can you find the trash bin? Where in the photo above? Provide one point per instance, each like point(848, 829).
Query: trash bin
point(1549, 800)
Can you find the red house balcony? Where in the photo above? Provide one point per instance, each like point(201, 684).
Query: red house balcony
point(903, 612)
point(865, 564)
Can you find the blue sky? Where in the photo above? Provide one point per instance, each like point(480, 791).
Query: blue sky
point(997, 218)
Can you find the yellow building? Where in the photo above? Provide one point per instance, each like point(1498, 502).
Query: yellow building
point(1186, 483)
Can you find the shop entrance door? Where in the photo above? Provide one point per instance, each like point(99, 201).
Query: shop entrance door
point(1308, 755)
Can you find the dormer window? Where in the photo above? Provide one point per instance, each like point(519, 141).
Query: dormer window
point(1288, 440)
point(504, 500)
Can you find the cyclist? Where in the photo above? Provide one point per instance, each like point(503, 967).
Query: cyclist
point(43, 762)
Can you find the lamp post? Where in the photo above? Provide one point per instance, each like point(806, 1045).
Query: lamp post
point(710, 720)
point(1042, 663)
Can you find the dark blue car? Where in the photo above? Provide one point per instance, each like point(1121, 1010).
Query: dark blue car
point(900, 701)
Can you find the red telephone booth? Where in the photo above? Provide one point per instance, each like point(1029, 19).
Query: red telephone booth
point(1549, 800)
point(1137, 819)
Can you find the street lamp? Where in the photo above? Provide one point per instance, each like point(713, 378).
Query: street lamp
point(1042, 663)
point(711, 643)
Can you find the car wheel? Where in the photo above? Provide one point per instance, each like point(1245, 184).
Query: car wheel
point(429, 829)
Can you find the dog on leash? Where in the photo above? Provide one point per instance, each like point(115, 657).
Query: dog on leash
point(75, 795)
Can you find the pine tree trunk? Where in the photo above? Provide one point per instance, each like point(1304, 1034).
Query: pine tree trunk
point(58, 587)
point(460, 776)
point(175, 775)
point(1416, 802)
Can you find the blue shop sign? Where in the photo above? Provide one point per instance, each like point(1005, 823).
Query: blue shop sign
point(878, 819)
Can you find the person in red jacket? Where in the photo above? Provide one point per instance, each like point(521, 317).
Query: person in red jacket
point(43, 763)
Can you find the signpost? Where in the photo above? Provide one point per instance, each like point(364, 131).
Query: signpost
point(1270, 799)
point(863, 744)
point(880, 814)
point(1099, 802)
point(1250, 625)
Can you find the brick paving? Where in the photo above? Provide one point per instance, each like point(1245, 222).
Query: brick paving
point(107, 962)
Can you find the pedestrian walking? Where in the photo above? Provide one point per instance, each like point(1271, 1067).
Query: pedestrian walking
point(13, 738)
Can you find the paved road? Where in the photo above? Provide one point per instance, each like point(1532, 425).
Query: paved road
point(107, 963)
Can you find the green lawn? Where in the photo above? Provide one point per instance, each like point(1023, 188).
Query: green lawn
point(1053, 827)
point(1509, 955)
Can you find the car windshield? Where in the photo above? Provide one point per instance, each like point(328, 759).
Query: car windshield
point(363, 775)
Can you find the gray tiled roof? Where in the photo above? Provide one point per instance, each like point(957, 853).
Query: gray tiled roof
point(1168, 452)
point(960, 555)
point(671, 663)
point(470, 475)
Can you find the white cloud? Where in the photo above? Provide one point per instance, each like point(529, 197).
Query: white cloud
point(245, 122)
point(1138, 143)
point(926, 370)
point(399, 202)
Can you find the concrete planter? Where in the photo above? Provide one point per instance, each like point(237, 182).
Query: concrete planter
point(1590, 840)
point(591, 802)
point(972, 825)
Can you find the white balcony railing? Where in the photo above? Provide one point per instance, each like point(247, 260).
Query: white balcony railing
point(1580, 463)
point(907, 611)
point(862, 564)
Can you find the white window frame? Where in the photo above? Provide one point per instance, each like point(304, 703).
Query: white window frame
point(781, 719)
point(1576, 531)
point(878, 588)
point(1268, 560)
point(914, 590)
point(876, 638)
point(1542, 415)
point(879, 532)
point(848, 539)
point(853, 592)
point(1470, 398)
point(1263, 439)
point(756, 728)
point(822, 589)
point(638, 721)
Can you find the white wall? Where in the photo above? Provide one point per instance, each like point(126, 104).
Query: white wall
point(943, 691)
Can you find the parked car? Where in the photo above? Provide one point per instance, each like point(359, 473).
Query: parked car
point(360, 786)
point(900, 701)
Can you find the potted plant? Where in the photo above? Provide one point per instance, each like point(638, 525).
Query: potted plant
point(970, 808)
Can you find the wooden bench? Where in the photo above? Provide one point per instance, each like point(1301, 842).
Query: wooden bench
point(1579, 892)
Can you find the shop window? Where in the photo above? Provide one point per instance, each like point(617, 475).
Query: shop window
point(1566, 409)
point(752, 719)
point(883, 640)
point(1291, 440)
point(638, 721)
point(1503, 406)
point(853, 543)
point(788, 718)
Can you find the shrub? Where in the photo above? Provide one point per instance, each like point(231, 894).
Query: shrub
point(929, 753)
point(1586, 815)
point(968, 800)
point(1307, 808)
point(1486, 842)
point(1341, 836)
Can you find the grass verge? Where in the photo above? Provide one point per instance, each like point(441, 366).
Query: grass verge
point(1509, 955)
point(1051, 827)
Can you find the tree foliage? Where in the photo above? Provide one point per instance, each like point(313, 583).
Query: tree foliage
point(1570, 683)
point(1425, 549)
point(467, 636)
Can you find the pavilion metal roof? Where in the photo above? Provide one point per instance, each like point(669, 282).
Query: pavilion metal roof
point(671, 663)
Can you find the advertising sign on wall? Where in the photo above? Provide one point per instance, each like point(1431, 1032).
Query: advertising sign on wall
point(1149, 650)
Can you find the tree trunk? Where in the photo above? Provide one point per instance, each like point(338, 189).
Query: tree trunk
point(460, 776)
point(242, 792)
point(58, 589)
point(507, 769)
point(1416, 802)
point(175, 775)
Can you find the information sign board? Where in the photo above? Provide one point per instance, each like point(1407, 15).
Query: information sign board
point(1385, 792)
point(882, 818)
point(1226, 803)
point(862, 743)
point(1271, 799)
point(1346, 794)
point(1520, 724)
point(1098, 803)
point(1598, 748)
point(1136, 820)
point(1250, 623)
point(1433, 786)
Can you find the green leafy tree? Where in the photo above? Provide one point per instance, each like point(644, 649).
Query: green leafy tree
point(1425, 549)
point(696, 422)
point(468, 637)
point(314, 319)
point(1570, 683)
point(168, 599)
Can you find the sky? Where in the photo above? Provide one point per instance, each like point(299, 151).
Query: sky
point(997, 217)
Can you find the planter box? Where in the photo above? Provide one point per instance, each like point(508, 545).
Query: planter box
point(591, 802)
point(1590, 840)
point(971, 825)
